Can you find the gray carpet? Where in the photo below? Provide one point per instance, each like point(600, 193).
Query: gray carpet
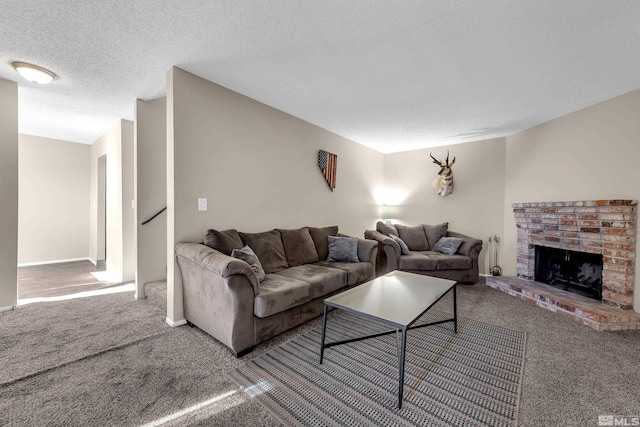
point(471, 378)
point(113, 361)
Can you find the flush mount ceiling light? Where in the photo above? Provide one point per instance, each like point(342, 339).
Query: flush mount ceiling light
point(33, 73)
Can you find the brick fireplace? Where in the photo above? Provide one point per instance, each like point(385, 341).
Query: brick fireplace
point(604, 227)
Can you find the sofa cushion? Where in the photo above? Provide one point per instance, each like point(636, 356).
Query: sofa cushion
point(223, 241)
point(323, 280)
point(447, 245)
point(320, 238)
point(435, 233)
point(404, 249)
point(299, 246)
point(269, 249)
point(343, 249)
point(248, 256)
point(449, 262)
point(279, 293)
point(454, 262)
point(418, 261)
point(414, 237)
point(386, 229)
point(357, 272)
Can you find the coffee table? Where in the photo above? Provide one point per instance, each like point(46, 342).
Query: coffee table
point(397, 299)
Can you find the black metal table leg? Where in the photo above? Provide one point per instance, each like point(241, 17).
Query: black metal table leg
point(324, 330)
point(455, 309)
point(401, 367)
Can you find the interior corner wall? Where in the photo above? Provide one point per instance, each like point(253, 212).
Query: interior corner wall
point(53, 200)
point(128, 202)
point(151, 191)
point(8, 194)
point(258, 168)
point(117, 145)
point(475, 207)
point(591, 154)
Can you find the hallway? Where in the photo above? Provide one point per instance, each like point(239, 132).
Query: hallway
point(55, 280)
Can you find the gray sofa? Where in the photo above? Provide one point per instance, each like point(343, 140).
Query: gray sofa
point(224, 297)
point(421, 258)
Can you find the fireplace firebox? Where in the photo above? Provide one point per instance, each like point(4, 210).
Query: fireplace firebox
point(577, 272)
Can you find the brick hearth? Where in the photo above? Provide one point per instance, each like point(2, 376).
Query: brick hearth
point(585, 310)
point(606, 227)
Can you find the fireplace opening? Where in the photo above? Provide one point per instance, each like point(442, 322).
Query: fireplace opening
point(577, 272)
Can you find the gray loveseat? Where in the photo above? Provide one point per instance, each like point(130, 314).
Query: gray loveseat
point(224, 297)
point(421, 258)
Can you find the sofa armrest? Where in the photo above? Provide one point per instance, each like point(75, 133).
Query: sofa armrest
point(217, 262)
point(388, 251)
point(218, 294)
point(388, 244)
point(470, 247)
point(367, 251)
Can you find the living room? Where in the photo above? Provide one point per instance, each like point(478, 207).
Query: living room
point(256, 166)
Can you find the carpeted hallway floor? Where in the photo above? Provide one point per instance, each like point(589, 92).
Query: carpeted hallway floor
point(112, 361)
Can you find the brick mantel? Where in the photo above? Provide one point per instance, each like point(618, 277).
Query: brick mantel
point(606, 227)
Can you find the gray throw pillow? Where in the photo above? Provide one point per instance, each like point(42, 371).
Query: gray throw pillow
point(248, 256)
point(404, 249)
point(448, 245)
point(343, 249)
point(223, 241)
point(414, 237)
point(299, 246)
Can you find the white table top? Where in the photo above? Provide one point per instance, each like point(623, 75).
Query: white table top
point(398, 297)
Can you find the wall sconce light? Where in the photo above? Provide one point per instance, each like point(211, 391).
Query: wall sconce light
point(33, 73)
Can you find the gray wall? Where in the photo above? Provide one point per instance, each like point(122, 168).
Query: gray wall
point(54, 200)
point(151, 191)
point(591, 154)
point(476, 205)
point(8, 194)
point(257, 166)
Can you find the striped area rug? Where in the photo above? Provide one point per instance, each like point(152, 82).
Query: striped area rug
point(469, 379)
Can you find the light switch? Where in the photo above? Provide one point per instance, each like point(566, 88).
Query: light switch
point(202, 204)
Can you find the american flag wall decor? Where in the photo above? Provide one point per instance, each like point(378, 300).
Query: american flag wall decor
point(328, 164)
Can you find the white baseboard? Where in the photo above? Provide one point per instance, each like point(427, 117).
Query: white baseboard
point(55, 261)
point(176, 323)
point(11, 307)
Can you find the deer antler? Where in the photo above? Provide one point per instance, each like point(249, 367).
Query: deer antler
point(436, 161)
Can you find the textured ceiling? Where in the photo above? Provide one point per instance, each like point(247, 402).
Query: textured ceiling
point(392, 75)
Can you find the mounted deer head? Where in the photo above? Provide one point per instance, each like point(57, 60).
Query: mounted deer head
point(444, 183)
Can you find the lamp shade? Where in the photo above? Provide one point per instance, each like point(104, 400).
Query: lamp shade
point(388, 212)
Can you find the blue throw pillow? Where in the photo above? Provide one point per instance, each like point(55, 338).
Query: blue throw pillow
point(448, 245)
point(247, 255)
point(404, 249)
point(343, 249)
